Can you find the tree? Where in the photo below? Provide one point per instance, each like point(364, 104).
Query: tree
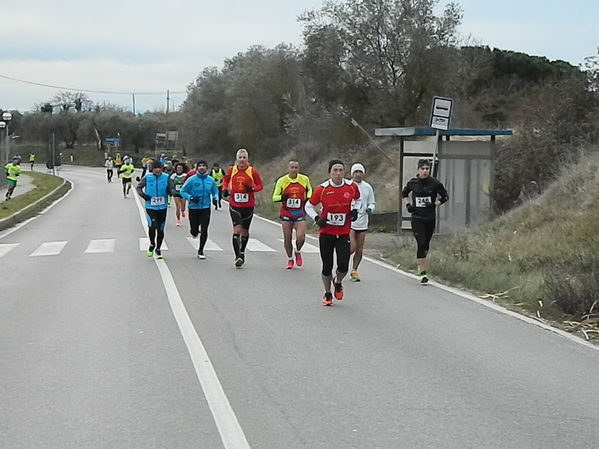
point(386, 50)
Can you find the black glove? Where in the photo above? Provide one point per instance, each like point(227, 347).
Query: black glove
point(321, 221)
point(137, 178)
point(145, 197)
point(354, 214)
point(411, 208)
point(225, 194)
point(194, 199)
point(215, 202)
point(249, 189)
point(284, 198)
point(369, 212)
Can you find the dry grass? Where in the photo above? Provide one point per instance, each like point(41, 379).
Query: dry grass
point(541, 257)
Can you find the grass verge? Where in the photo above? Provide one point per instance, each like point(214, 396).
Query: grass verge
point(43, 183)
point(541, 258)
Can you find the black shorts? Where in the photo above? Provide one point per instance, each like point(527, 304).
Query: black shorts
point(359, 231)
point(126, 180)
point(241, 216)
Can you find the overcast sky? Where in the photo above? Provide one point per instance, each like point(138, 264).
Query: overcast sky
point(152, 45)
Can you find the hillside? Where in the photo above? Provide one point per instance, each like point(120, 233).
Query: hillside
point(542, 257)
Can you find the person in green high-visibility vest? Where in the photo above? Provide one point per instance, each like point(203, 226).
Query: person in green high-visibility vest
point(31, 160)
point(13, 170)
point(218, 174)
point(126, 171)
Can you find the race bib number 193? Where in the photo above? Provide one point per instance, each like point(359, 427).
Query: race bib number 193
point(241, 197)
point(336, 219)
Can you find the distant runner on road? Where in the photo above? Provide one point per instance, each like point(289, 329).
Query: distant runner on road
point(31, 160)
point(240, 183)
point(338, 198)
point(155, 188)
point(292, 191)
point(178, 178)
point(126, 171)
point(13, 171)
point(199, 190)
point(426, 193)
point(217, 173)
point(365, 211)
point(109, 164)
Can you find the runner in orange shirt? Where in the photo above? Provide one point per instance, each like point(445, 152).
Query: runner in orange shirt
point(339, 199)
point(292, 191)
point(240, 184)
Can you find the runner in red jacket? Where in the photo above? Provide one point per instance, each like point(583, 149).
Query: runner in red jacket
point(240, 184)
point(339, 199)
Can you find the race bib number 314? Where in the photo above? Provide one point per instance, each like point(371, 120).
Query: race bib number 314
point(241, 197)
point(294, 203)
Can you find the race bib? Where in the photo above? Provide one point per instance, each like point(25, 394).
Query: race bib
point(241, 197)
point(336, 219)
point(178, 187)
point(294, 203)
point(157, 201)
point(423, 201)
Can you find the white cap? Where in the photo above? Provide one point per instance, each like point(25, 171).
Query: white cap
point(357, 167)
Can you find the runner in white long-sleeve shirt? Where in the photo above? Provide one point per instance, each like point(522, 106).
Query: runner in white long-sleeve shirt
point(360, 226)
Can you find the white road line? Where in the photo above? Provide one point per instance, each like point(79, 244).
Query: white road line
point(210, 245)
point(100, 246)
point(230, 431)
point(256, 245)
point(470, 297)
point(49, 249)
point(307, 248)
point(5, 248)
point(144, 243)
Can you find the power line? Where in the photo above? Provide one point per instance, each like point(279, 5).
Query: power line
point(86, 90)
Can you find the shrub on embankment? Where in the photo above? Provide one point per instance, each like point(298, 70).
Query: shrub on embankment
point(542, 257)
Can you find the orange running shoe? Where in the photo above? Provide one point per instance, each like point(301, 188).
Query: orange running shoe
point(338, 291)
point(289, 265)
point(327, 299)
point(298, 259)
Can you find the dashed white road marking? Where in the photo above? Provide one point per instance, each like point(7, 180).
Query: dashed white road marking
point(256, 245)
point(49, 249)
point(5, 248)
point(210, 245)
point(307, 248)
point(144, 243)
point(100, 246)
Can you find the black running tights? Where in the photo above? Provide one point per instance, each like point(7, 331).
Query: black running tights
point(330, 244)
point(199, 220)
point(423, 233)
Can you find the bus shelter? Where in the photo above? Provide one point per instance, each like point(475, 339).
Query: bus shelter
point(464, 161)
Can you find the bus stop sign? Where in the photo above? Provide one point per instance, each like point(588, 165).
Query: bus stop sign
point(441, 113)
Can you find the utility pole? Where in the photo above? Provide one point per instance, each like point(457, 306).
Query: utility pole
point(168, 100)
point(133, 95)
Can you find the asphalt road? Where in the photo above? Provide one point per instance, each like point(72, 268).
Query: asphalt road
point(93, 356)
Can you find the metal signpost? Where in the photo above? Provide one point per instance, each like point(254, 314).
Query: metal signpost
point(440, 120)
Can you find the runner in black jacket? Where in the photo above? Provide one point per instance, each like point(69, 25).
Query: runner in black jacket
point(427, 193)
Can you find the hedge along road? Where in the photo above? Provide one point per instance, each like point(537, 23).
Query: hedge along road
point(95, 357)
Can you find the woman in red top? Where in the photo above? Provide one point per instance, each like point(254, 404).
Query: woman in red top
point(239, 184)
point(338, 198)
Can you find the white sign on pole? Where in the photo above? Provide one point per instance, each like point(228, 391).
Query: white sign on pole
point(441, 113)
